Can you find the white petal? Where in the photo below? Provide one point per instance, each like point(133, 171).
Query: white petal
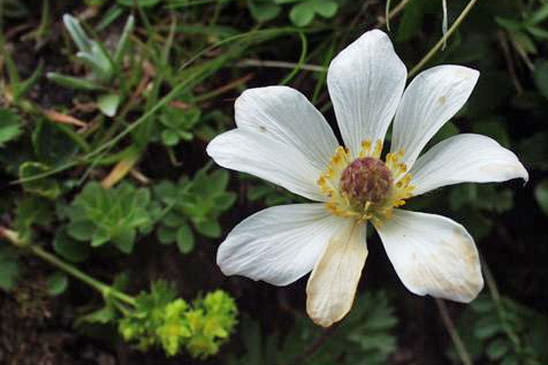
point(288, 116)
point(365, 82)
point(332, 285)
point(262, 155)
point(465, 158)
point(430, 100)
point(432, 255)
point(279, 244)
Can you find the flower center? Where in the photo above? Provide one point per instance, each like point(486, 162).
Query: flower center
point(365, 188)
point(366, 180)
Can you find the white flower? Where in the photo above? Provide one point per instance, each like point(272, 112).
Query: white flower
point(282, 138)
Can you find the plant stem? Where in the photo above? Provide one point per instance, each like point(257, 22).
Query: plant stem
point(391, 14)
point(455, 337)
point(443, 39)
point(106, 290)
point(501, 311)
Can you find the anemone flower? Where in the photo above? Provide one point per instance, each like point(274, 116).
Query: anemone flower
point(281, 137)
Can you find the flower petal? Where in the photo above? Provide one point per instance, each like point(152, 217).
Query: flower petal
point(287, 115)
point(465, 158)
point(432, 255)
point(366, 81)
point(279, 244)
point(266, 157)
point(430, 100)
point(332, 285)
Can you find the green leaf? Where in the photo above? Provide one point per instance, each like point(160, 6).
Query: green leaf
point(185, 239)
point(170, 137)
point(100, 237)
point(81, 230)
point(57, 283)
point(101, 316)
point(486, 329)
point(302, 14)
point(211, 229)
point(263, 10)
point(124, 40)
point(10, 126)
point(225, 201)
point(541, 194)
point(55, 144)
point(108, 104)
point(23, 87)
point(74, 82)
point(539, 15)
point(31, 211)
point(538, 32)
point(125, 240)
point(173, 219)
point(46, 187)
point(70, 249)
point(509, 24)
point(326, 8)
point(497, 349)
point(525, 42)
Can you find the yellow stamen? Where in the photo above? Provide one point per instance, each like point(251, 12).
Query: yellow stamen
point(340, 204)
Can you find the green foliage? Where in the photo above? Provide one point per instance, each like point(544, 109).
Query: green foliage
point(99, 215)
point(69, 248)
point(364, 337)
point(178, 124)
point(527, 28)
point(10, 126)
point(302, 12)
point(198, 202)
point(504, 332)
point(104, 66)
point(108, 104)
point(162, 320)
point(31, 211)
point(109, 313)
point(477, 203)
point(264, 10)
point(47, 188)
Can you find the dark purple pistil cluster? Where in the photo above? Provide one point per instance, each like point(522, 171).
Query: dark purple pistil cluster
point(366, 180)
